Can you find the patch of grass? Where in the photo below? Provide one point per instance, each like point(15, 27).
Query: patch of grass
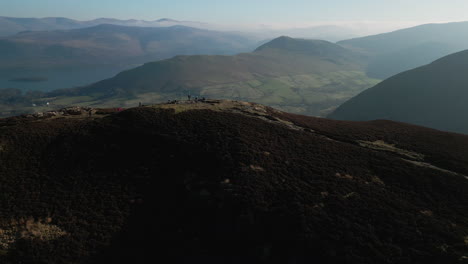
point(382, 145)
point(28, 229)
point(65, 100)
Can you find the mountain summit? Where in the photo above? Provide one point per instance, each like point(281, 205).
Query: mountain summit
point(305, 47)
point(167, 20)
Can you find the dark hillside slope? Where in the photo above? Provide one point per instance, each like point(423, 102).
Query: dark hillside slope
point(229, 182)
point(434, 95)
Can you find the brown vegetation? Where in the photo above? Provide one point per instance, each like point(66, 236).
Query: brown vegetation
point(146, 184)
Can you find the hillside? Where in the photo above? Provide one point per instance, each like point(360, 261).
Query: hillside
point(434, 95)
point(111, 44)
point(401, 50)
point(302, 76)
point(228, 182)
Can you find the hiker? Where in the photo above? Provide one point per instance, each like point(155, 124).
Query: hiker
point(189, 97)
point(90, 113)
point(139, 104)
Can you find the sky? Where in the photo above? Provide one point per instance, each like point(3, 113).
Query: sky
point(271, 12)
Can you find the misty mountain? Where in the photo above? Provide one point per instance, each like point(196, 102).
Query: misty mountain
point(111, 44)
point(303, 76)
point(13, 25)
point(401, 50)
point(434, 95)
point(330, 33)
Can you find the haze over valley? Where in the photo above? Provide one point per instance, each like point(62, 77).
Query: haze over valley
point(80, 57)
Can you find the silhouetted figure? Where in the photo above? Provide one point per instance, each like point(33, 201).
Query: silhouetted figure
point(139, 104)
point(189, 97)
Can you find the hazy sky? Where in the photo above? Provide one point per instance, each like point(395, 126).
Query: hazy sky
point(244, 11)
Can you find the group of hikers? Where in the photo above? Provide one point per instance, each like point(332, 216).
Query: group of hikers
point(190, 99)
point(196, 99)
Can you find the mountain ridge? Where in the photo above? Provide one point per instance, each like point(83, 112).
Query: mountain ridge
point(61, 23)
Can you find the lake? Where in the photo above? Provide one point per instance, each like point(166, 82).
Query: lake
point(51, 79)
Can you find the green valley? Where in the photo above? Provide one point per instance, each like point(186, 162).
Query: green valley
point(302, 76)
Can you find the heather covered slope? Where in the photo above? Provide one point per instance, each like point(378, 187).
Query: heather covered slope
point(229, 182)
point(434, 95)
point(303, 76)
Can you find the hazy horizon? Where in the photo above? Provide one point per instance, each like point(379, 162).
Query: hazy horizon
point(363, 16)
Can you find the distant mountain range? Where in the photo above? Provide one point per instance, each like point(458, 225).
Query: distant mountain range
point(305, 76)
point(401, 50)
point(112, 44)
point(13, 25)
point(434, 95)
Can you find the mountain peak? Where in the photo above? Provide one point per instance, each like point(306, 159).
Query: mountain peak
point(288, 43)
point(167, 20)
point(311, 47)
